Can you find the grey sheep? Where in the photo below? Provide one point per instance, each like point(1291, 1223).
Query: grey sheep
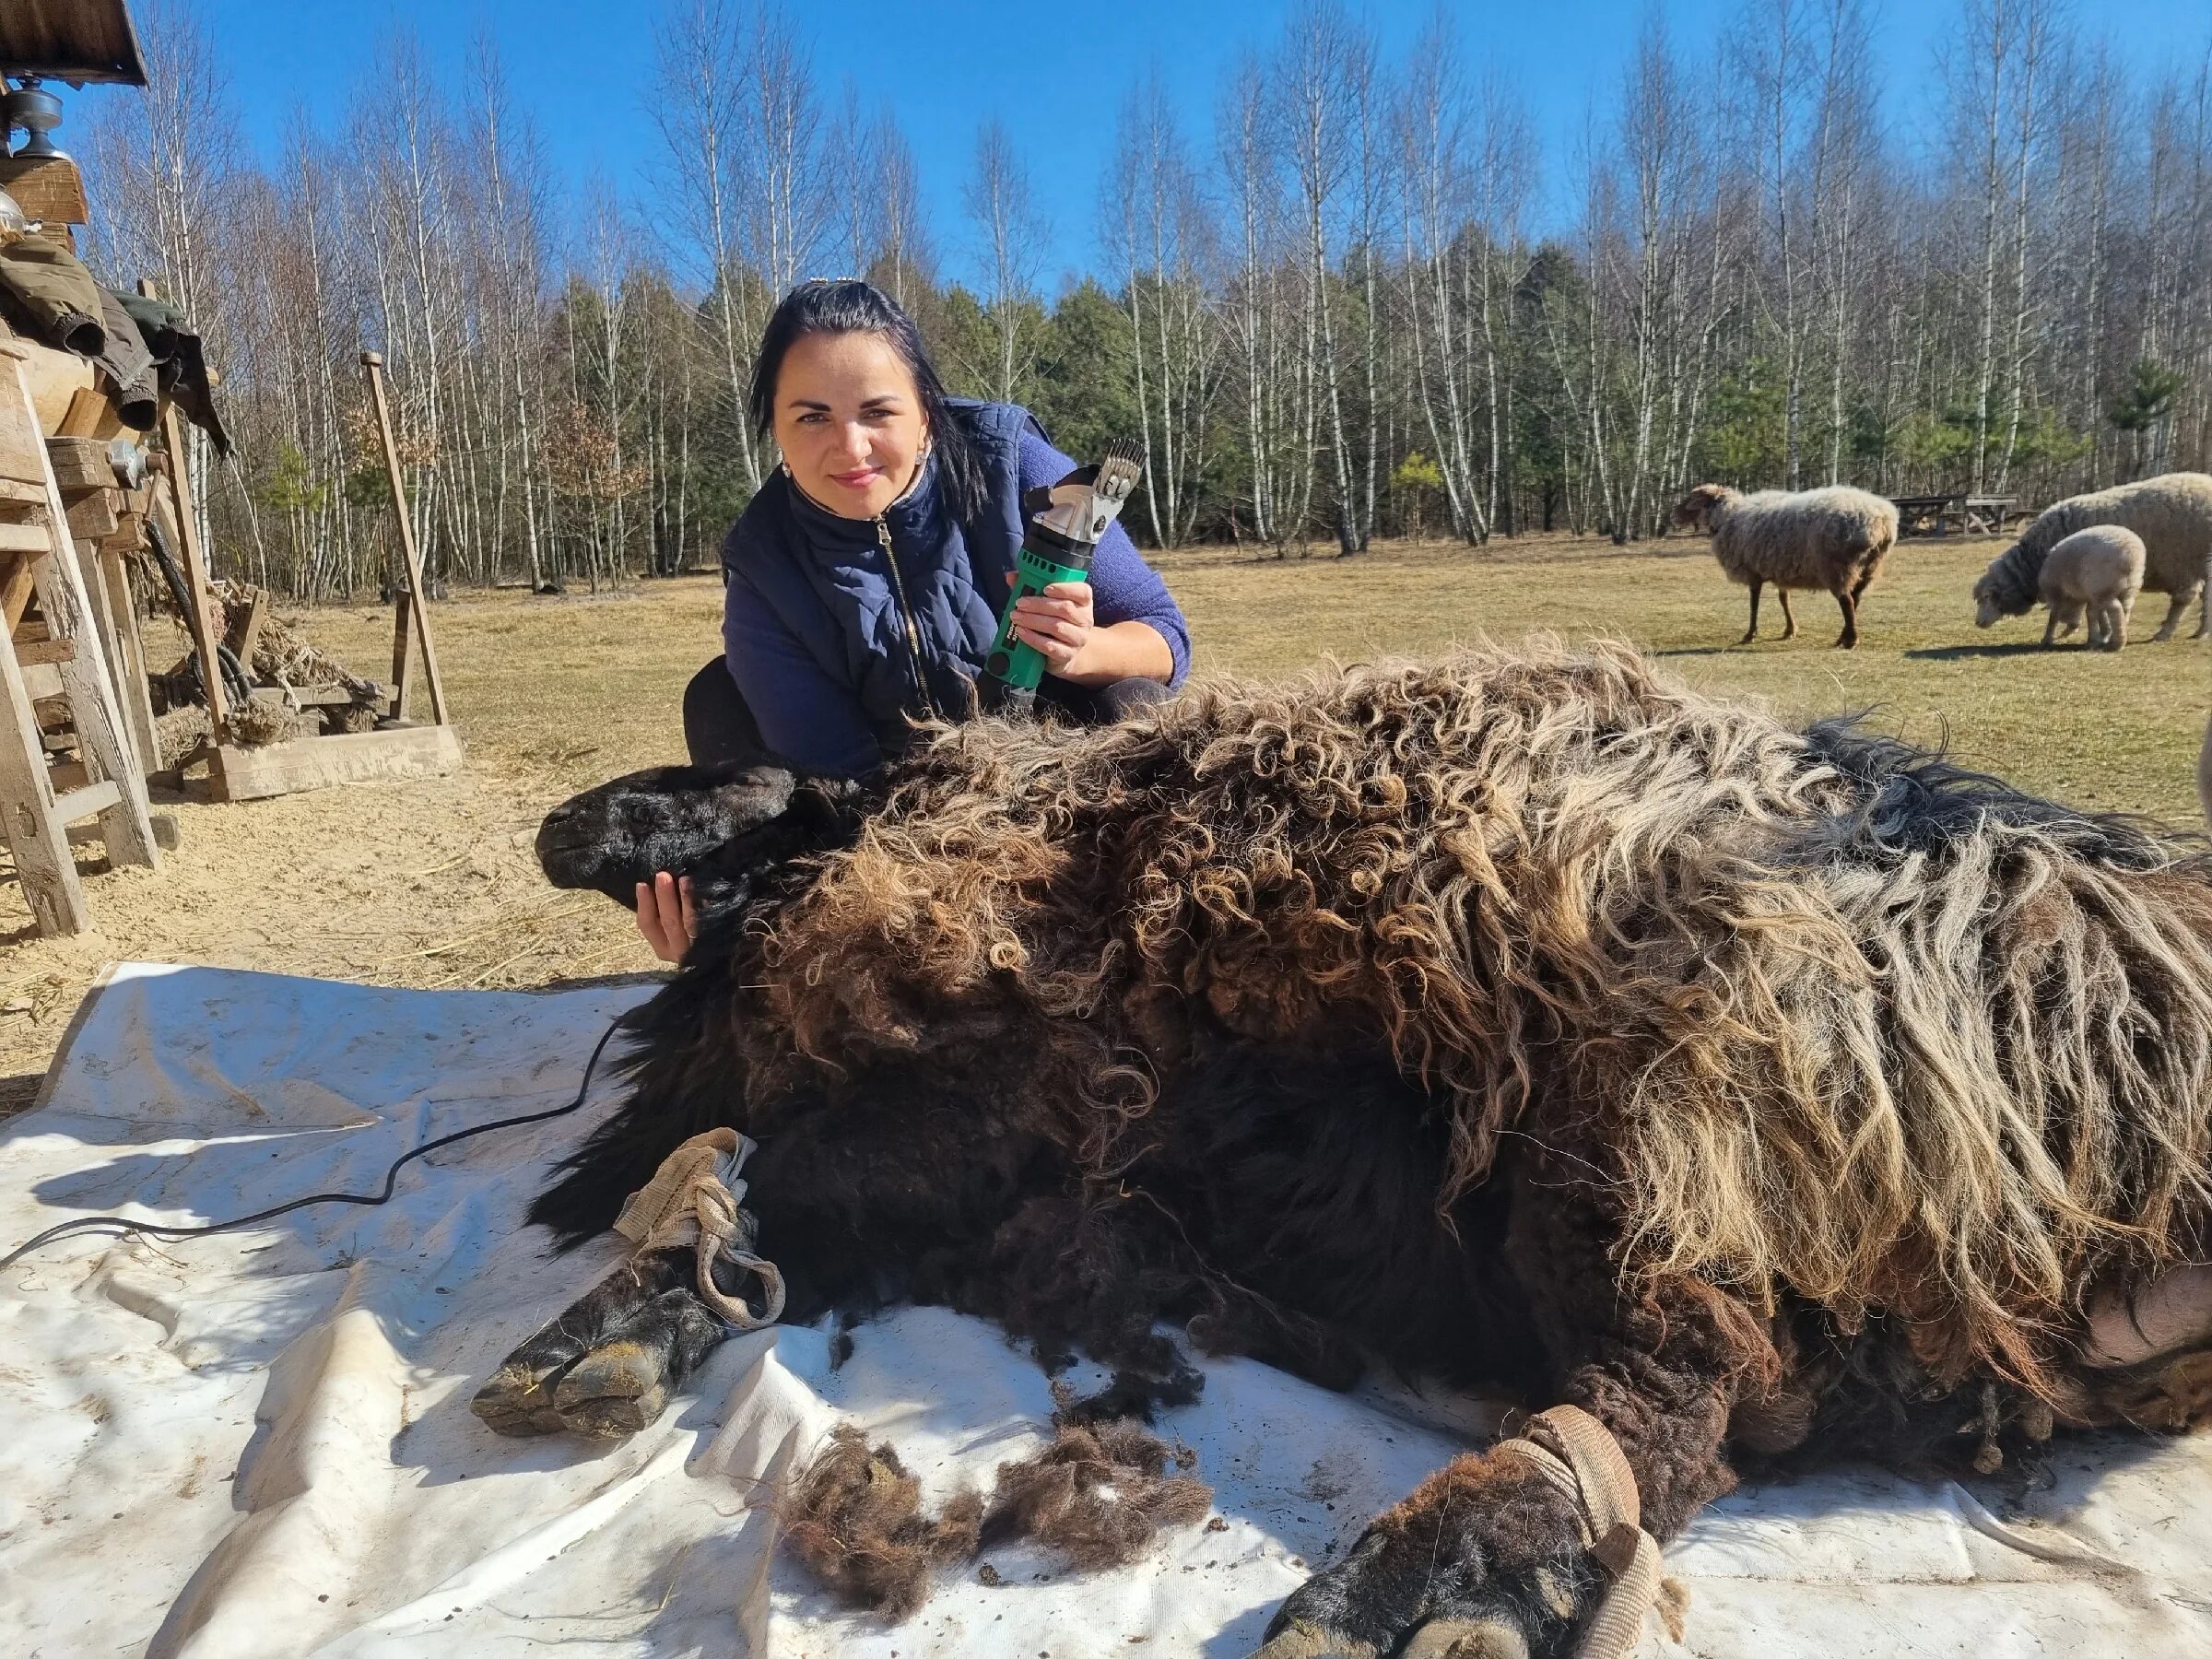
point(1833, 539)
point(2171, 513)
point(2099, 569)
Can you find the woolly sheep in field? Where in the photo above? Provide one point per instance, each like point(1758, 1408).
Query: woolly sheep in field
point(2171, 513)
point(1833, 539)
point(2099, 569)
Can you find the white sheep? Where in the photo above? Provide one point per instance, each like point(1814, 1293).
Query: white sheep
point(1833, 539)
point(2172, 514)
point(2099, 569)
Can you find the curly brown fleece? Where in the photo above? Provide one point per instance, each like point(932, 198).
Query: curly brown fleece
point(1576, 900)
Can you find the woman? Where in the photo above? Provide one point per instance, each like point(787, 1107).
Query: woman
point(863, 582)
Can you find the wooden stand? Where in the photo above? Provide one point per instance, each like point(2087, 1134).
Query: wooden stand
point(236, 772)
point(37, 544)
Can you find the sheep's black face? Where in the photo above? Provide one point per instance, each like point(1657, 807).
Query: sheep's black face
point(722, 825)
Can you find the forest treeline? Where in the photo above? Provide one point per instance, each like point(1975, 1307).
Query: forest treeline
point(1353, 298)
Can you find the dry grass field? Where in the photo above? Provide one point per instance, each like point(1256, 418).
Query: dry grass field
point(432, 884)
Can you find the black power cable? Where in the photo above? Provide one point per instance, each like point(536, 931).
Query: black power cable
point(151, 1229)
point(233, 672)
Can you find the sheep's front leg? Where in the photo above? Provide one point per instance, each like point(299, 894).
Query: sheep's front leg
point(1788, 621)
point(1751, 632)
point(1486, 1559)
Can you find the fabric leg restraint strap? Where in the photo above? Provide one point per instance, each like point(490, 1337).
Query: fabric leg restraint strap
point(1574, 1453)
point(691, 1202)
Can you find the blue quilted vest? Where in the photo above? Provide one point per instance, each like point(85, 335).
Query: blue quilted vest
point(830, 583)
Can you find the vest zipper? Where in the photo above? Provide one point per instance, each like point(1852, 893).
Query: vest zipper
point(906, 614)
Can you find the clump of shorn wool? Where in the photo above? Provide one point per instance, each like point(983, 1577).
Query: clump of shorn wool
point(2097, 570)
point(1830, 540)
point(1097, 1494)
point(2171, 513)
point(855, 1516)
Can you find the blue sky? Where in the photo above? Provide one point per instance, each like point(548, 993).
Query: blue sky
point(584, 70)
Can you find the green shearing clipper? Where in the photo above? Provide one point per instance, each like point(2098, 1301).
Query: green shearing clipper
point(1063, 534)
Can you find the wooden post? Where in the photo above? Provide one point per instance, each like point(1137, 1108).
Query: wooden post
point(413, 605)
point(203, 641)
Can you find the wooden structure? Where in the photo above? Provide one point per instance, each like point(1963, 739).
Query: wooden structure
point(73, 41)
point(1956, 513)
point(74, 641)
point(239, 771)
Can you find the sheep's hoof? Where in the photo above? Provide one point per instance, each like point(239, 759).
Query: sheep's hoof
point(607, 1366)
point(1751, 638)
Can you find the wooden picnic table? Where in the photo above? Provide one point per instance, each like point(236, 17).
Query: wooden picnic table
point(1943, 514)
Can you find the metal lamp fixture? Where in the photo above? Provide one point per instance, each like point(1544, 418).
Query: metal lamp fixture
point(37, 111)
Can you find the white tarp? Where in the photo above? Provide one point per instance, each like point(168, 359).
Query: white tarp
point(260, 1444)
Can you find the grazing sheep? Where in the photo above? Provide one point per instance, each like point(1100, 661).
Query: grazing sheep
point(2171, 513)
point(2099, 569)
point(1758, 1091)
point(1833, 539)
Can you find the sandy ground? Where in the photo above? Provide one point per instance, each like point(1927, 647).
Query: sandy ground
point(432, 884)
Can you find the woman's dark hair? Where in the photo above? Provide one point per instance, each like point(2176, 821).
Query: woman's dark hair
point(847, 305)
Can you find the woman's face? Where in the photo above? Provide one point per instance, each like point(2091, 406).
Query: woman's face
point(849, 421)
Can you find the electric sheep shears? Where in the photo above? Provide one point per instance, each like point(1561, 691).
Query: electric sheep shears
point(1063, 534)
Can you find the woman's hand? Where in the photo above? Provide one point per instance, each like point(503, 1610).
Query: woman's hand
point(1059, 624)
point(665, 916)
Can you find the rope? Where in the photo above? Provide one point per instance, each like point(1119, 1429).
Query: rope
point(692, 1203)
point(1576, 1455)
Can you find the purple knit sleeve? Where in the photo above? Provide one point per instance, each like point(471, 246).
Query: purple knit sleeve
point(1124, 587)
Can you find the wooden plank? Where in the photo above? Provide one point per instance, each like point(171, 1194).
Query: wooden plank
point(41, 681)
point(305, 697)
point(56, 377)
point(412, 600)
point(46, 187)
point(16, 589)
point(243, 632)
point(194, 560)
point(252, 774)
point(89, 802)
point(92, 515)
point(17, 537)
point(86, 682)
point(92, 414)
point(80, 464)
point(45, 651)
point(130, 666)
point(43, 863)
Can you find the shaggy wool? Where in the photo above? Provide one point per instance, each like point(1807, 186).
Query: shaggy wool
point(1577, 902)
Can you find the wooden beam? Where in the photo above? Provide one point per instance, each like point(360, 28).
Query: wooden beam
point(92, 515)
point(43, 863)
point(92, 414)
point(413, 603)
point(106, 567)
point(241, 632)
point(195, 558)
point(46, 187)
point(16, 589)
point(252, 774)
point(80, 464)
point(45, 651)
